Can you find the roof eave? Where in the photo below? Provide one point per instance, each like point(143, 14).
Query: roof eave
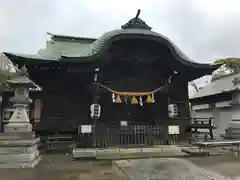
point(57, 36)
point(33, 58)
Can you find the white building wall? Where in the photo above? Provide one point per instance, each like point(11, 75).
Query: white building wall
point(222, 118)
point(222, 115)
point(204, 113)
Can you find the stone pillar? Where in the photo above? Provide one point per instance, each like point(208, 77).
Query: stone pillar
point(18, 144)
point(1, 118)
point(233, 130)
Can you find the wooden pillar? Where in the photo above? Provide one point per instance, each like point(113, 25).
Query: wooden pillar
point(36, 112)
point(95, 101)
point(96, 87)
point(93, 115)
point(1, 114)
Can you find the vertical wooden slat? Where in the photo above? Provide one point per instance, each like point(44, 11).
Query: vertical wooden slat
point(134, 135)
point(148, 135)
point(145, 134)
point(128, 136)
point(119, 136)
point(123, 135)
point(111, 136)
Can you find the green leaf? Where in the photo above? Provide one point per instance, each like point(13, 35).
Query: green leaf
point(232, 64)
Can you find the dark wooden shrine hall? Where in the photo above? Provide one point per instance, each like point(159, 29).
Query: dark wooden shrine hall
point(131, 59)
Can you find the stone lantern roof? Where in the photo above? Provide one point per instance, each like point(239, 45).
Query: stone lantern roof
point(21, 81)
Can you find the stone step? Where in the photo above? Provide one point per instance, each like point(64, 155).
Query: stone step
point(231, 136)
point(18, 150)
point(60, 142)
point(16, 136)
point(18, 143)
point(195, 152)
point(52, 138)
point(131, 153)
point(18, 158)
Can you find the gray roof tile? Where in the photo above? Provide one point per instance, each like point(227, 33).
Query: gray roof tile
point(37, 56)
point(220, 85)
point(97, 45)
point(58, 50)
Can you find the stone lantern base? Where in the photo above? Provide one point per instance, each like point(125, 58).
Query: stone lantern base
point(18, 144)
point(18, 127)
point(19, 150)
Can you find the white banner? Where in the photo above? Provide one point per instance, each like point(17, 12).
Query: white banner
point(173, 129)
point(86, 129)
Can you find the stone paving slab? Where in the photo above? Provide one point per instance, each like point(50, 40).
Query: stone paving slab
point(166, 169)
point(62, 167)
point(129, 153)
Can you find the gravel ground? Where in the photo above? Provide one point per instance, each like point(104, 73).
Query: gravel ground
point(228, 165)
point(62, 167)
point(166, 169)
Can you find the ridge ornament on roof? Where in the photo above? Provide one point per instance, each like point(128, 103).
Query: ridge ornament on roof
point(136, 23)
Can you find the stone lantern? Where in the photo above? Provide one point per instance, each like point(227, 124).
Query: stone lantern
point(18, 144)
point(19, 121)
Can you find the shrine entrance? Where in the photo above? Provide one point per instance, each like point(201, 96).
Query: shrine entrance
point(131, 119)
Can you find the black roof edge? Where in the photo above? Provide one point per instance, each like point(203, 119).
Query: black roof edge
point(147, 37)
point(194, 99)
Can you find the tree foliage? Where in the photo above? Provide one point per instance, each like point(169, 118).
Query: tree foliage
point(232, 64)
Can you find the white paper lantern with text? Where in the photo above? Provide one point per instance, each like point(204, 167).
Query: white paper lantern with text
point(172, 110)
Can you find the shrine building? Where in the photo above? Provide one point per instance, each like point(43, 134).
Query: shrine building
point(128, 77)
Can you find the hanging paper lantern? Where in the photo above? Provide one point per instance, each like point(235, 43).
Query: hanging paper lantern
point(113, 98)
point(149, 99)
point(118, 99)
point(153, 99)
point(172, 110)
point(140, 101)
point(126, 99)
point(134, 100)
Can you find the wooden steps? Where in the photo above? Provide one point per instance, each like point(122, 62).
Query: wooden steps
point(60, 142)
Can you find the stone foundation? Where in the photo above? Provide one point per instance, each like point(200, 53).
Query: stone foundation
point(18, 127)
point(19, 150)
point(130, 153)
point(233, 130)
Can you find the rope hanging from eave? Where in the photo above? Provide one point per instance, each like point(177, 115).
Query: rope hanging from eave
point(162, 88)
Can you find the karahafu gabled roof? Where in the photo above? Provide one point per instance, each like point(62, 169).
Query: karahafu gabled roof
point(69, 49)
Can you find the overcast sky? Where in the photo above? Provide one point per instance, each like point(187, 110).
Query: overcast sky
point(203, 29)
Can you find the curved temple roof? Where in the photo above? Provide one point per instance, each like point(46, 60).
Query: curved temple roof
point(93, 48)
